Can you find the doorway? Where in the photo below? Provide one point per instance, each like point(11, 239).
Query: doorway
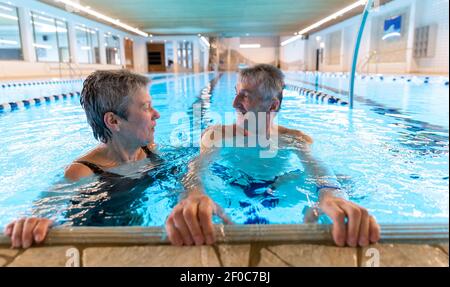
point(318, 60)
point(156, 57)
point(129, 55)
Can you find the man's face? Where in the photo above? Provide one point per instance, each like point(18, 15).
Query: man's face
point(248, 99)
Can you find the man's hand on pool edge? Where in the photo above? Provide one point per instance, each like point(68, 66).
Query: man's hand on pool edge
point(361, 228)
point(191, 221)
point(26, 231)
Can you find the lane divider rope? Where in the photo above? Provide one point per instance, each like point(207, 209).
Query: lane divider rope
point(12, 106)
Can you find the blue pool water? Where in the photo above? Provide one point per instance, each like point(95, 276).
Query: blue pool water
point(390, 154)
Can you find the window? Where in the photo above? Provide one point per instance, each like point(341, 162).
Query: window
point(185, 54)
point(112, 44)
point(334, 48)
point(425, 41)
point(51, 39)
point(87, 45)
point(10, 44)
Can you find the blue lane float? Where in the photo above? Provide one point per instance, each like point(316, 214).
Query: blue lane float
point(381, 77)
point(12, 106)
point(39, 83)
point(320, 97)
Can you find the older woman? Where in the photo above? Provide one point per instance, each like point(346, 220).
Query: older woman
point(119, 110)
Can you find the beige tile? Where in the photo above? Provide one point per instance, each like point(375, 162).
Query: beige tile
point(403, 255)
point(305, 255)
point(268, 259)
point(444, 247)
point(8, 252)
point(58, 256)
point(2, 262)
point(234, 255)
point(148, 256)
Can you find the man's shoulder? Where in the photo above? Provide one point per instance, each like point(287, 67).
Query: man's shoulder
point(299, 135)
point(218, 131)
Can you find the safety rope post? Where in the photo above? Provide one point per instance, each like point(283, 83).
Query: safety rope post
point(356, 52)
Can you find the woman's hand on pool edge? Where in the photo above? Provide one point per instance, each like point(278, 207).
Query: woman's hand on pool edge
point(25, 231)
point(191, 221)
point(361, 228)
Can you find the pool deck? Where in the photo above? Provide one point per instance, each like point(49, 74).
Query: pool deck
point(238, 246)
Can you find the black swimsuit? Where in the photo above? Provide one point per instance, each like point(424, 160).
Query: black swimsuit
point(115, 200)
point(99, 171)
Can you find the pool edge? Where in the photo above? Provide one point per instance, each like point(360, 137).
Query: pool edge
point(298, 233)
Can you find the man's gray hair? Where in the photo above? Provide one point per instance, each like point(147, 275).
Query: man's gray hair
point(109, 91)
point(268, 79)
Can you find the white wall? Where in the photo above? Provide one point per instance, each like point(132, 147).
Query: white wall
point(30, 68)
point(434, 12)
point(418, 13)
point(231, 55)
point(293, 56)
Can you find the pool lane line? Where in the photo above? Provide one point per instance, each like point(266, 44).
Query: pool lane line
point(38, 83)
point(382, 109)
point(317, 95)
point(203, 100)
point(13, 106)
point(382, 77)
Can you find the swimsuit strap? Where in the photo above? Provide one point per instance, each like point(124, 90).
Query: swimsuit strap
point(151, 155)
point(99, 171)
point(147, 151)
point(95, 168)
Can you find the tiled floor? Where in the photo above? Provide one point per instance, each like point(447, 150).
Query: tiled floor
point(241, 255)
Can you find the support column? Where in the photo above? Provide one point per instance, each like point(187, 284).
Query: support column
point(196, 55)
point(228, 58)
point(72, 43)
point(102, 47)
point(410, 63)
point(26, 31)
point(175, 56)
point(122, 51)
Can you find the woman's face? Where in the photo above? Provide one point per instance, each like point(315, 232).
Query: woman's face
point(141, 122)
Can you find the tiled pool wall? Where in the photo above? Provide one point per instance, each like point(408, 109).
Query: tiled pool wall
point(242, 246)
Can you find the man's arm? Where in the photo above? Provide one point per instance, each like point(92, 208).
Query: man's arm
point(191, 220)
point(360, 228)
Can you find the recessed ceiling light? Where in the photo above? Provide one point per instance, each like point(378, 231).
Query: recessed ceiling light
point(101, 16)
point(250, 46)
point(203, 39)
point(325, 20)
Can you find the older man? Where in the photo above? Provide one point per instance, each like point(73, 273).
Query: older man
point(259, 94)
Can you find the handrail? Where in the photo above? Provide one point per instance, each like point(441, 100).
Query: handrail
point(369, 4)
point(295, 233)
point(366, 63)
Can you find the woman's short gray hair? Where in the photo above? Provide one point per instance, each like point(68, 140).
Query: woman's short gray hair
point(268, 79)
point(109, 91)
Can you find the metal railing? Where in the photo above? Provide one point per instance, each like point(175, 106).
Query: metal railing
point(365, 15)
point(295, 233)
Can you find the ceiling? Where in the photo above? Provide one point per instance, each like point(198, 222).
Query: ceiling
point(213, 17)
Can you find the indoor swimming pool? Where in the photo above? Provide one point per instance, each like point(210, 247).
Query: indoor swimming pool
point(390, 154)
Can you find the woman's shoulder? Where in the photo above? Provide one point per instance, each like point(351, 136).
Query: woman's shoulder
point(78, 169)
